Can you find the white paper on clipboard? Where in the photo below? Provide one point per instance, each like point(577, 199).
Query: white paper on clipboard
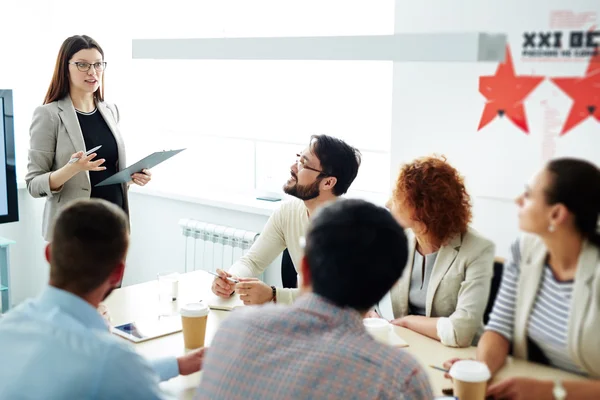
point(148, 162)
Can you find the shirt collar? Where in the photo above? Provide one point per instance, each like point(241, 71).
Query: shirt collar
point(334, 314)
point(73, 305)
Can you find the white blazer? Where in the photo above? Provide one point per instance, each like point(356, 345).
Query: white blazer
point(458, 288)
point(583, 334)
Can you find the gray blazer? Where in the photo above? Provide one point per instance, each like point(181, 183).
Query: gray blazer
point(584, 315)
point(54, 136)
point(458, 289)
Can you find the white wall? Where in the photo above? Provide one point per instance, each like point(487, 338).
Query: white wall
point(437, 107)
point(157, 244)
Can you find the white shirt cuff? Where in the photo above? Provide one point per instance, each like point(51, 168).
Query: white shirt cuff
point(445, 331)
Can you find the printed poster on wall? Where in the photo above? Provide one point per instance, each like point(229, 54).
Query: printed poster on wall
point(498, 123)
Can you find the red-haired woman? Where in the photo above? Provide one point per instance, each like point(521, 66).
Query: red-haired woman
point(444, 290)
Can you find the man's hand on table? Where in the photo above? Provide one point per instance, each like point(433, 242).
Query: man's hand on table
point(253, 291)
point(191, 362)
point(221, 286)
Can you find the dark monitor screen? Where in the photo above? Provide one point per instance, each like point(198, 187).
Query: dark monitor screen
point(9, 207)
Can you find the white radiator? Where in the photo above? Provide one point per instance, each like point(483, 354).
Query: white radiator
point(210, 246)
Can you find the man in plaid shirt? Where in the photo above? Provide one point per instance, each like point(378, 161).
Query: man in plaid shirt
point(318, 348)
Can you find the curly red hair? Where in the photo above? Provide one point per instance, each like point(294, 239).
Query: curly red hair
point(436, 193)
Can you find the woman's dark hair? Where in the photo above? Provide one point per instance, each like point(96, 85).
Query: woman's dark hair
point(576, 184)
point(59, 86)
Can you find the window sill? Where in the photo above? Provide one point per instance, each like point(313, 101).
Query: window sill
point(242, 202)
point(230, 201)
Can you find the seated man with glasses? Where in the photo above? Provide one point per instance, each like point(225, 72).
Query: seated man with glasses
point(318, 348)
point(323, 172)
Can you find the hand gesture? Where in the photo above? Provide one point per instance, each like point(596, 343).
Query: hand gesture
point(221, 286)
point(85, 163)
point(253, 291)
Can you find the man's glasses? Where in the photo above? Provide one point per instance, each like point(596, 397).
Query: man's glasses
point(85, 66)
point(301, 163)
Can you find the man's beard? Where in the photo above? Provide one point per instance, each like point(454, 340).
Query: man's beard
point(303, 192)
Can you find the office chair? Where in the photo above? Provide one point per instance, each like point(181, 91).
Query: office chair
point(289, 277)
point(496, 280)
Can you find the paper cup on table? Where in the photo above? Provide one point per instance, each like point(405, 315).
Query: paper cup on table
point(470, 379)
point(193, 323)
point(379, 328)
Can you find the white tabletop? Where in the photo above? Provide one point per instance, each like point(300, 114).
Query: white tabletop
point(139, 301)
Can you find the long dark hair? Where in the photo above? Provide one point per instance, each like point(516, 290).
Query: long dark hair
point(59, 86)
point(576, 184)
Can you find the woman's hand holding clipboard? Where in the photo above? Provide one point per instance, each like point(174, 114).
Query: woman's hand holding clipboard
point(142, 166)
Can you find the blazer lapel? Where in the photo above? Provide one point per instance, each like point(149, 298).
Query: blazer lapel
point(582, 293)
point(401, 289)
point(446, 256)
point(112, 124)
point(68, 116)
point(69, 119)
point(530, 274)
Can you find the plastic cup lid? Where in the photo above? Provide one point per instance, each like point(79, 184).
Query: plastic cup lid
point(375, 323)
point(194, 310)
point(470, 371)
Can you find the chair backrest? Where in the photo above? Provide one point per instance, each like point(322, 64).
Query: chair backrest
point(496, 280)
point(289, 276)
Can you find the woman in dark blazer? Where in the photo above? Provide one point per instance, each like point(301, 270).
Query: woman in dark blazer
point(75, 118)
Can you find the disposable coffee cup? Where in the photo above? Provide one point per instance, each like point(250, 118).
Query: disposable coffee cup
point(379, 328)
point(470, 379)
point(193, 323)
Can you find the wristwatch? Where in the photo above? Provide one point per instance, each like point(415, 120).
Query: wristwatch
point(559, 391)
point(274, 290)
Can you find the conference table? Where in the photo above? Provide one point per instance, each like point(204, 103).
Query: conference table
point(141, 301)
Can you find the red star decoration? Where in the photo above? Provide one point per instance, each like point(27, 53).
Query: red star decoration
point(585, 93)
point(505, 93)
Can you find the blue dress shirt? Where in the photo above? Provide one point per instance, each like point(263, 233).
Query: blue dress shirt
point(57, 346)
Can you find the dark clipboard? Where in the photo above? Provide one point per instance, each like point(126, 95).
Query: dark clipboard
point(148, 162)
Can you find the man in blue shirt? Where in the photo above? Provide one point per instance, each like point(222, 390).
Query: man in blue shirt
point(58, 346)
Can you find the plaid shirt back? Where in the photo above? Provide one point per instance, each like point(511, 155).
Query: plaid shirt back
point(309, 350)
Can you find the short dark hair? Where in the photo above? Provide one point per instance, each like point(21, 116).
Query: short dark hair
point(576, 184)
point(89, 239)
point(338, 159)
point(356, 252)
point(60, 84)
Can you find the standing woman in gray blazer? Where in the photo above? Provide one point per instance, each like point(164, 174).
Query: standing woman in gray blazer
point(75, 118)
point(444, 289)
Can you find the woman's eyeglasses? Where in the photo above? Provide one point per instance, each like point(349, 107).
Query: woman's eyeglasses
point(85, 66)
